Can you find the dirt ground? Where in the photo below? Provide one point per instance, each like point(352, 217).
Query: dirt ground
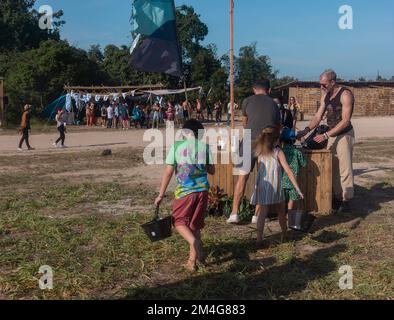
point(83, 139)
point(80, 212)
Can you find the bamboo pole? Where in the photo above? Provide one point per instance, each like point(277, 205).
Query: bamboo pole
point(232, 63)
point(156, 86)
point(185, 87)
point(2, 104)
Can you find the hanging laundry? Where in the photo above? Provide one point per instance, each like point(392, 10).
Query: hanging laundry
point(98, 98)
point(133, 93)
point(106, 98)
point(68, 102)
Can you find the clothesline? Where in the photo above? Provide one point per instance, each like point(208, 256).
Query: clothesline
point(86, 97)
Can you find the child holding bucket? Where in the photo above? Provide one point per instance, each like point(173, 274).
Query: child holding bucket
point(295, 159)
point(191, 162)
point(269, 189)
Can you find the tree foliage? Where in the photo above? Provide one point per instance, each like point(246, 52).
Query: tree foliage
point(37, 76)
point(19, 26)
point(37, 64)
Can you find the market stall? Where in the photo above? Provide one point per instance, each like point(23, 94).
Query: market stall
point(315, 180)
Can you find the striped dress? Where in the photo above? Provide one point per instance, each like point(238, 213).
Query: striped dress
point(268, 188)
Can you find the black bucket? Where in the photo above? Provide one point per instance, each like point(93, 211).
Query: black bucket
point(159, 228)
point(300, 220)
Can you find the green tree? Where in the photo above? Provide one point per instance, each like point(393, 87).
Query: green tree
point(19, 26)
point(206, 68)
point(191, 31)
point(95, 54)
point(37, 76)
point(249, 67)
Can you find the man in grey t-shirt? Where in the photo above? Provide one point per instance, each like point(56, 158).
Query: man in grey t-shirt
point(259, 112)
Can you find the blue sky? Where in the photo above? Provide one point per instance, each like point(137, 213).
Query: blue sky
point(301, 37)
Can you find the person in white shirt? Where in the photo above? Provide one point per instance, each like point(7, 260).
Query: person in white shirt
point(229, 112)
point(179, 117)
point(61, 127)
point(110, 116)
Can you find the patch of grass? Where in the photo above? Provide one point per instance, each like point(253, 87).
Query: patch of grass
point(96, 254)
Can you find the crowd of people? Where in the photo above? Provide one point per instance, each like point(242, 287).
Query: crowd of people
point(125, 115)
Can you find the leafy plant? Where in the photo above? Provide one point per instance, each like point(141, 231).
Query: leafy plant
point(215, 201)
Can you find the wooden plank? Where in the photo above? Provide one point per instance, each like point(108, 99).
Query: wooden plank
point(318, 174)
point(2, 106)
point(223, 177)
point(315, 181)
point(326, 181)
point(311, 185)
point(229, 179)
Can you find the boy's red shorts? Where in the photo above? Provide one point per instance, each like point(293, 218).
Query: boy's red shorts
point(190, 211)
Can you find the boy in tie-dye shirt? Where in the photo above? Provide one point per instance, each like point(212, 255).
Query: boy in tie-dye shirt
point(191, 161)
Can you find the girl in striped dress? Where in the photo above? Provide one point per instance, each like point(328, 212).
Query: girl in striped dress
point(268, 189)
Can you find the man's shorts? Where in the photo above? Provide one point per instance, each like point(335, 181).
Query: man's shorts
point(190, 211)
point(252, 159)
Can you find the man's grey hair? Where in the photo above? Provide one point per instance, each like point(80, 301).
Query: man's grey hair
point(330, 75)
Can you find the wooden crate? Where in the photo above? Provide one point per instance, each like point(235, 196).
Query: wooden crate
point(315, 180)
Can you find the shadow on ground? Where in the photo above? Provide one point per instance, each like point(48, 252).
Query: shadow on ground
point(244, 278)
point(247, 279)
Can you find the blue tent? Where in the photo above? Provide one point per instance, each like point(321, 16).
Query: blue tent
point(50, 111)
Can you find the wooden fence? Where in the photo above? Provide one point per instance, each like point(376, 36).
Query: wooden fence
point(315, 180)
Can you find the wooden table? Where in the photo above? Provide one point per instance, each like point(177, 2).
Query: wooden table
point(315, 180)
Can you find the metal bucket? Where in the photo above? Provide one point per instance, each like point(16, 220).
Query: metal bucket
point(159, 228)
point(300, 220)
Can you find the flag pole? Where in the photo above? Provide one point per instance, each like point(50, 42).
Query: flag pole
point(232, 63)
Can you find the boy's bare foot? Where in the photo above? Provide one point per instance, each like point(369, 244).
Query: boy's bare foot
point(191, 266)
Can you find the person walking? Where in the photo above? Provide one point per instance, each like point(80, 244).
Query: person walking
point(229, 113)
point(156, 116)
point(337, 103)
point(269, 189)
point(191, 162)
point(25, 128)
point(259, 111)
point(61, 127)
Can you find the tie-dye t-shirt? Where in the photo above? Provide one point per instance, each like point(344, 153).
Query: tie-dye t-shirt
point(190, 158)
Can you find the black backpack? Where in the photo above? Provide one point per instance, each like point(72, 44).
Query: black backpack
point(313, 145)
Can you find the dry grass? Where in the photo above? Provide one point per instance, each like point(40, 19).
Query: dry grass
point(89, 232)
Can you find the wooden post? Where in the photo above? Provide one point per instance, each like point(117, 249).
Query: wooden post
point(2, 104)
point(232, 63)
point(185, 87)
